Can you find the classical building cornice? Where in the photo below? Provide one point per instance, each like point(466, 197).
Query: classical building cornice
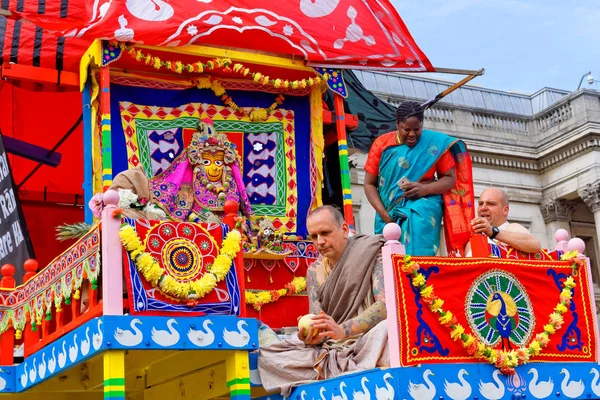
point(534, 142)
point(590, 194)
point(493, 160)
point(537, 164)
point(557, 210)
point(573, 151)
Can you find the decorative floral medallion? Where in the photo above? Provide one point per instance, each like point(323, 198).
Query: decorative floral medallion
point(183, 249)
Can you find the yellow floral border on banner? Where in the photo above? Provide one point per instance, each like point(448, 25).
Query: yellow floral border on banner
point(184, 291)
point(506, 361)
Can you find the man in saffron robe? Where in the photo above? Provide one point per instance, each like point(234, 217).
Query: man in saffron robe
point(346, 292)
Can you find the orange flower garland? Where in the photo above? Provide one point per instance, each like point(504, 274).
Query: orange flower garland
point(259, 299)
point(224, 64)
point(506, 361)
point(256, 114)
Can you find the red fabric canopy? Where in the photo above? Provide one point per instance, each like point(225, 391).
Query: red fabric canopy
point(21, 42)
point(332, 33)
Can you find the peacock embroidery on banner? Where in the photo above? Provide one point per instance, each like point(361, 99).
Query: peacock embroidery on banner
point(499, 311)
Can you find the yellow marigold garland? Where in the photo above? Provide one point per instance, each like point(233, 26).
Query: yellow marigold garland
point(224, 64)
point(259, 299)
point(256, 114)
point(185, 291)
point(506, 361)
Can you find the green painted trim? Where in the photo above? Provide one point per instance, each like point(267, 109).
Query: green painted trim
point(115, 394)
point(237, 381)
point(114, 382)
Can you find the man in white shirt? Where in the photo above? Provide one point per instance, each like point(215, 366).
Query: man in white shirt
point(492, 212)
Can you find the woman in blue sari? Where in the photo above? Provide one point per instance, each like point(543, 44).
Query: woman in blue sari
point(407, 174)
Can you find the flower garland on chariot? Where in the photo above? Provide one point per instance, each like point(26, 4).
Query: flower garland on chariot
point(505, 360)
point(258, 299)
point(224, 64)
point(189, 291)
point(254, 113)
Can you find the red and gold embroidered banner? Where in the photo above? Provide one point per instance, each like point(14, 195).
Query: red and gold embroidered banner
point(503, 303)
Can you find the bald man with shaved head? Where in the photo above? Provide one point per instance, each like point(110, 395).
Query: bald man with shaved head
point(492, 221)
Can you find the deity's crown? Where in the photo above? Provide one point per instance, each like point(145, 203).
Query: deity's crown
point(207, 139)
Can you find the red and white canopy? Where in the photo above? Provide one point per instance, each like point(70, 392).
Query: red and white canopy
point(360, 34)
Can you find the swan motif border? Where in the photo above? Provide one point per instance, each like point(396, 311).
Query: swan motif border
point(429, 382)
point(151, 333)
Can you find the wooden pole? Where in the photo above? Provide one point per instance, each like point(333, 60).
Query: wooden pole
point(451, 89)
point(338, 102)
point(112, 259)
point(460, 71)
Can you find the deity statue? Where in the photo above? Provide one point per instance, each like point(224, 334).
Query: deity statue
point(200, 180)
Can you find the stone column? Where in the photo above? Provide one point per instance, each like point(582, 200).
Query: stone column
point(590, 194)
point(557, 215)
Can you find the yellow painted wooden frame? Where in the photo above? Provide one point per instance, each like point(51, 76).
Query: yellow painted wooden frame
point(93, 57)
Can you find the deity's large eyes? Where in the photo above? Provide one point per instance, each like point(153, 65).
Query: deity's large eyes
point(218, 163)
point(206, 162)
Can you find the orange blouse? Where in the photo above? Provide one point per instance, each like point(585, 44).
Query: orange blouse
point(443, 164)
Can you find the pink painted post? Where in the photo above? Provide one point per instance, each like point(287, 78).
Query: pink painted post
point(561, 237)
point(578, 245)
point(391, 232)
point(112, 264)
point(32, 336)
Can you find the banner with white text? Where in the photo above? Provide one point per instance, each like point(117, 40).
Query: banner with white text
point(15, 247)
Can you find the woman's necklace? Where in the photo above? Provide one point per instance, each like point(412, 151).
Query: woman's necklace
point(400, 141)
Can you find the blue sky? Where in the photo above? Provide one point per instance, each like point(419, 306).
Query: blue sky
point(523, 45)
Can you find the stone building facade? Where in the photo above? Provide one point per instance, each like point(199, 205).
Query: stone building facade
point(542, 149)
